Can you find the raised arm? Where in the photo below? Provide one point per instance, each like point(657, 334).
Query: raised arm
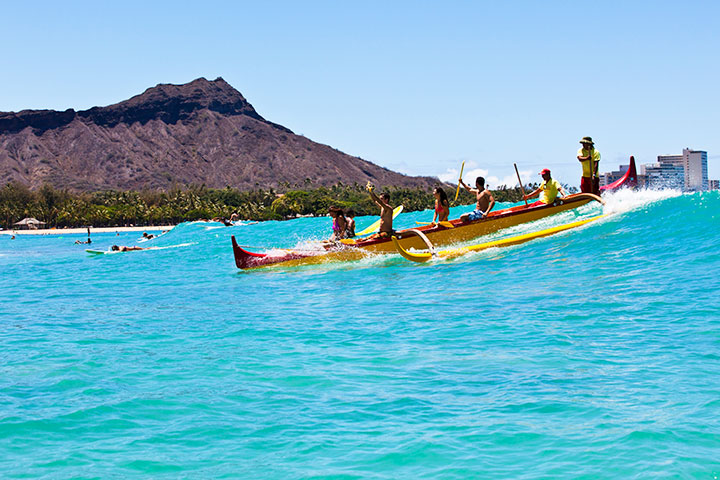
point(471, 190)
point(371, 190)
point(378, 201)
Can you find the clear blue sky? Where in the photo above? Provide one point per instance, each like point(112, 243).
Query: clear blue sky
point(413, 86)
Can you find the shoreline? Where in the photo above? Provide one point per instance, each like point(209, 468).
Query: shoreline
point(84, 230)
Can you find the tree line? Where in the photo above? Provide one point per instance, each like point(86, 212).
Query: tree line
point(63, 208)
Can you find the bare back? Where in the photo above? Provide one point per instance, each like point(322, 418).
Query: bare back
point(483, 199)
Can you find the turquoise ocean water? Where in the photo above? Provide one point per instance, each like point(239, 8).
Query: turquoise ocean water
point(591, 354)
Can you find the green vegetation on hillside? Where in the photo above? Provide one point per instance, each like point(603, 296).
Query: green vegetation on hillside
point(60, 208)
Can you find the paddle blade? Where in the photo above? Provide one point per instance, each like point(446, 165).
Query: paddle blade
point(444, 224)
point(457, 191)
point(375, 225)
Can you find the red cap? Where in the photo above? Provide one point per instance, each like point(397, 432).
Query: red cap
point(544, 171)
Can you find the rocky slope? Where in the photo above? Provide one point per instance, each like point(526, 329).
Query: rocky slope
point(202, 132)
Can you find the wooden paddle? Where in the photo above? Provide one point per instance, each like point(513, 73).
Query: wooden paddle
point(444, 224)
point(376, 224)
point(457, 192)
point(521, 185)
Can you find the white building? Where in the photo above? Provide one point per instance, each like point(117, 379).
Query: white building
point(694, 165)
point(662, 175)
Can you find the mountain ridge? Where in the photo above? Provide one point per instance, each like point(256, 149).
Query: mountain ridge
point(201, 132)
point(165, 101)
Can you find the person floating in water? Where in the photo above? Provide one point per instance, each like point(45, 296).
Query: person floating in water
point(484, 200)
point(148, 236)
point(121, 248)
point(222, 220)
point(78, 242)
point(339, 225)
point(549, 189)
point(442, 206)
point(386, 213)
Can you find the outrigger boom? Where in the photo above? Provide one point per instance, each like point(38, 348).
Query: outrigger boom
point(505, 242)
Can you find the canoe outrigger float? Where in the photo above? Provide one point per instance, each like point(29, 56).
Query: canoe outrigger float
point(447, 233)
point(505, 242)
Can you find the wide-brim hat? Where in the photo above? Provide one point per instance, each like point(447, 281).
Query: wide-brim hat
point(587, 140)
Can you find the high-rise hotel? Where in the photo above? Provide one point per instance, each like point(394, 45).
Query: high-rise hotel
point(688, 171)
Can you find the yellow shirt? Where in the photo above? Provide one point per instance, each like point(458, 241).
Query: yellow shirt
point(588, 167)
point(550, 191)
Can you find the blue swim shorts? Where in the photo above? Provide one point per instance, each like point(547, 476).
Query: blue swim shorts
point(476, 215)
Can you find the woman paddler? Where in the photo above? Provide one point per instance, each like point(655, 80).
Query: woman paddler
point(339, 225)
point(442, 206)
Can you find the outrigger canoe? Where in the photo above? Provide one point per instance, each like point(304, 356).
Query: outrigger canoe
point(444, 234)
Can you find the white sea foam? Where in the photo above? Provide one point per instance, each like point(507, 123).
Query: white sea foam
point(625, 200)
point(310, 246)
point(172, 246)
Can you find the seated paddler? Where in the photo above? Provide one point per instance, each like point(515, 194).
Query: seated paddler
point(386, 213)
point(350, 219)
point(484, 200)
point(442, 206)
point(549, 189)
point(339, 225)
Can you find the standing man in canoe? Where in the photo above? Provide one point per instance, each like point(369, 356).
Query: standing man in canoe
point(549, 189)
point(386, 213)
point(590, 160)
point(485, 200)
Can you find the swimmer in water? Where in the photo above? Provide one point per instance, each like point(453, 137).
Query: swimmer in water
point(122, 248)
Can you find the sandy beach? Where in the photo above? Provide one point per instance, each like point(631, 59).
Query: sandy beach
point(83, 230)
